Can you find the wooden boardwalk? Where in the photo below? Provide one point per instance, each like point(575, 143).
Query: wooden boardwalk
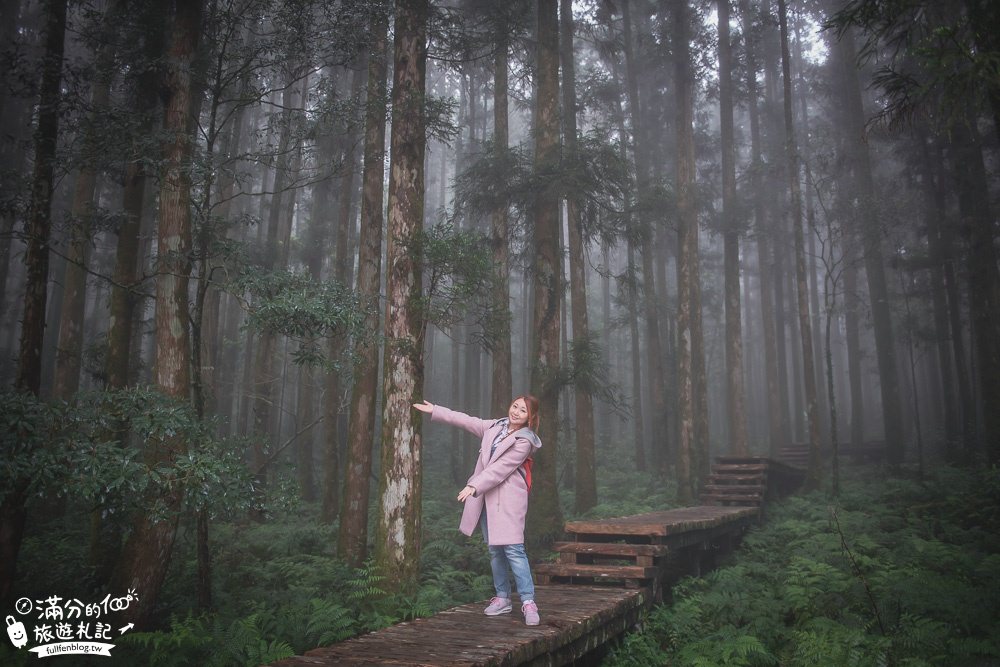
point(610, 571)
point(575, 620)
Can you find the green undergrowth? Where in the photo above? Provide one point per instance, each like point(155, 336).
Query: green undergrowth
point(894, 572)
point(278, 588)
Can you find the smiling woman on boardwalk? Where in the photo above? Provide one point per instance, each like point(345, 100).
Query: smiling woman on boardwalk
point(496, 495)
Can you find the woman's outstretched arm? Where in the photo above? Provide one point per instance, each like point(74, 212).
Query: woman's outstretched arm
point(439, 413)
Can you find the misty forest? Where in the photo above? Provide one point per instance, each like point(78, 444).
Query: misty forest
point(240, 238)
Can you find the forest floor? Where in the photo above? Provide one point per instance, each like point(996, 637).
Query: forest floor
point(894, 571)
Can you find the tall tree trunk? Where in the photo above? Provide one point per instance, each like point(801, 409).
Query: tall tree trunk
point(603, 418)
point(39, 221)
point(317, 249)
point(333, 406)
point(545, 514)
point(878, 291)
point(801, 278)
point(775, 206)
point(657, 379)
point(830, 301)
point(105, 536)
point(638, 418)
point(69, 348)
point(146, 555)
point(13, 114)
point(502, 382)
point(39, 224)
point(977, 226)
point(940, 257)
point(687, 251)
point(397, 544)
point(352, 540)
point(736, 408)
point(852, 333)
point(629, 285)
point(586, 474)
point(822, 397)
point(763, 245)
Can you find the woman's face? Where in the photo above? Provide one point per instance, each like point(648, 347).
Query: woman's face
point(518, 413)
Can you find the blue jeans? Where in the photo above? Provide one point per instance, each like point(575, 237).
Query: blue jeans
point(514, 556)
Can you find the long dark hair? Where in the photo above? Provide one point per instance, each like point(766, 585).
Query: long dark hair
point(531, 403)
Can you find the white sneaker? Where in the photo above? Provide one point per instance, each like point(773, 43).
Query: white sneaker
point(498, 606)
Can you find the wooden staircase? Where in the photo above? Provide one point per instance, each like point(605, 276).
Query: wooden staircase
point(619, 563)
point(736, 481)
point(644, 550)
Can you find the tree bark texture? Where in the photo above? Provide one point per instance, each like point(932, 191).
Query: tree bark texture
point(398, 534)
point(638, 418)
point(544, 514)
point(801, 279)
point(658, 453)
point(852, 333)
point(687, 245)
point(763, 245)
point(978, 229)
point(586, 458)
point(69, 348)
point(502, 381)
point(352, 540)
point(735, 405)
point(39, 224)
point(940, 256)
point(144, 561)
point(870, 235)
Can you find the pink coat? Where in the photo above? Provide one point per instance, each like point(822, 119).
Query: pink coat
point(500, 489)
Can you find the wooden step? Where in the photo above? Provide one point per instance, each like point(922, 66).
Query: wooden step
point(596, 571)
point(739, 468)
point(753, 500)
point(610, 548)
point(740, 459)
point(736, 489)
point(756, 478)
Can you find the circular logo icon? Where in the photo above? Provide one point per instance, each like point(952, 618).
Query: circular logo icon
point(23, 606)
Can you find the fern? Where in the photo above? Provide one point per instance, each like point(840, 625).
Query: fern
point(189, 641)
point(329, 623)
point(896, 576)
point(365, 585)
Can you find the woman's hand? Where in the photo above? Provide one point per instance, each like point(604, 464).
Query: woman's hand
point(466, 492)
point(426, 406)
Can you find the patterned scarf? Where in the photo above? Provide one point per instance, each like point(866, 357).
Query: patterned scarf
point(504, 428)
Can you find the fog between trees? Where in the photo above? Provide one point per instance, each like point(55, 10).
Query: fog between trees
point(690, 228)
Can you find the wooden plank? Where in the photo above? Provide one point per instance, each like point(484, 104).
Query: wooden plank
point(735, 478)
point(740, 489)
point(732, 497)
point(741, 459)
point(611, 571)
point(740, 467)
point(575, 619)
point(610, 548)
point(662, 523)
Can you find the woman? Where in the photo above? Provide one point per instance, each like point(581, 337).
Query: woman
point(500, 486)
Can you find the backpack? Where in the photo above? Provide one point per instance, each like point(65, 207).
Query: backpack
point(525, 468)
point(525, 471)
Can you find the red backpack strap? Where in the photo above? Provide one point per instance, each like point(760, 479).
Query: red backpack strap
point(525, 471)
